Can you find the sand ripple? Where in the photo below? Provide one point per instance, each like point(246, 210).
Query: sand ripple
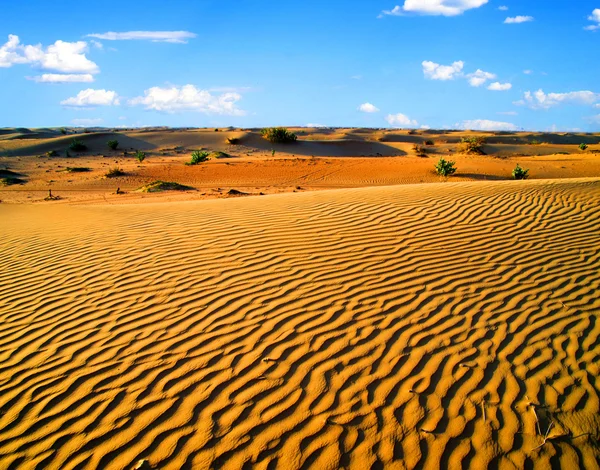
point(429, 326)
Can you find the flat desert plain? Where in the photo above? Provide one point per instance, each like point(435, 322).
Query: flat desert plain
point(436, 324)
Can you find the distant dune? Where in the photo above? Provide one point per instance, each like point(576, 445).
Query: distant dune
point(445, 325)
point(322, 158)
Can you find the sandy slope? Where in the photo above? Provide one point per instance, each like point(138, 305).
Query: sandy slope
point(401, 327)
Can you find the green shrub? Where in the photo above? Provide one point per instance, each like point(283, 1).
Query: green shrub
point(520, 173)
point(113, 144)
point(198, 156)
point(77, 146)
point(472, 145)
point(278, 135)
point(445, 167)
point(420, 151)
point(140, 156)
point(583, 146)
point(114, 172)
point(63, 131)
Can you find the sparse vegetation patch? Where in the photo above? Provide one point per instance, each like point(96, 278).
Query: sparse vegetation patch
point(77, 146)
point(140, 156)
point(583, 146)
point(278, 135)
point(76, 169)
point(445, 167)
point(10, 180)
point(158, 186)
point(198, 156)
point(113, 144)
point(520, 173)
point(472, 145)
point(114, 172)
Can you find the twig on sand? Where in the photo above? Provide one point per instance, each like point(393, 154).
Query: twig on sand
point(483, 409)
point(545, 436)
point(537, 420)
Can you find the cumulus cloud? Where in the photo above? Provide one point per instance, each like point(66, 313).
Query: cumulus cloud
point(435, 7)
point(595, 17)
point(518, 19)
point(541, 100)
point(85, 122)
point(479, 77)
point(62, 56)
point(63, 78)
point(486, 125)
point(368, 108)
point(400, 120)
point(503, 8)
point(177, 37)
point(188, 98)
point(497, 86)
point(91, 98)
point(434, 71)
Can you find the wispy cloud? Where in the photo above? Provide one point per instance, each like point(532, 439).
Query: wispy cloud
point(188, 98)
point(400, 120)
point(434, 7)
point(541, 100)
point(178, 37)
point(368, 108)
point(497, 86)
point(518, 19)
point(487, 125)
point(62, 56)
point(63, 78)
point(91, 98)
point(503, 8)
point(434, 71)
point(595, 17)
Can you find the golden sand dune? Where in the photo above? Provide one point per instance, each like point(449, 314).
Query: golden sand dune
point(428, 326)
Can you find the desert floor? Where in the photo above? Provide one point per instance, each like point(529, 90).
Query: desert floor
point(431, 325)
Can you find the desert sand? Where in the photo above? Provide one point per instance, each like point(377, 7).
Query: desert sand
point(442, 325)
point(320, 159)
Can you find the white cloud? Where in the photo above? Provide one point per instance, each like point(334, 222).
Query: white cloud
point(84, 122)
point(97, 44)
point(310, 124)
point(356, 77)
point(178, 37)
point(503, 8)
point(479, 77)
point(486, 125)
point(435, 7)
point(400, 120)
point(63, 78)
point(62, 56)
point(188, 98)
point(518, 19)
point(527, 72)
point(434, 71)
point(91, 98)
point(508, 113)
point(541, 100)
point(368, 108)
point(595, 17)
point(497, 86)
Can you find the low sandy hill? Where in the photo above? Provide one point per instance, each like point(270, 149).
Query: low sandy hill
point(423, 326)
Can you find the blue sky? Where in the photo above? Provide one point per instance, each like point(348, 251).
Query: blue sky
point(480, 64)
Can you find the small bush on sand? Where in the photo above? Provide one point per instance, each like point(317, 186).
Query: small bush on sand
point(429, 142)
point(77, 169)
point(52, 153)
point(583, 146)
point(77, 146)
point(63, 131)
point(472, 145)
point(140, 156)
point(113, 144)
point(419, 150)
point(278, 135)
point(198, 156)
point(114, 172)
point(218, 155)
point(520, 173)
point(158, 186)
point(445, 167)
point(233, 141)
point(10, 180)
